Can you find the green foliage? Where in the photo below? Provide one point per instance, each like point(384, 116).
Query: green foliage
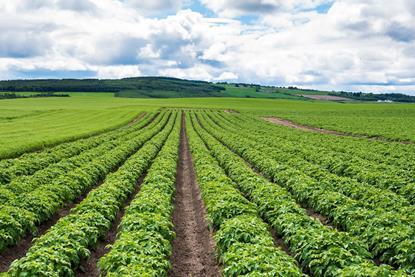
point(13, 95)
point(388, 234)
point(245, 246)
point(61, 249)
point(136, 87)
point(143, 244)
point(396, 97)
point(39, 129)
point(29, 163)
point(37, 201)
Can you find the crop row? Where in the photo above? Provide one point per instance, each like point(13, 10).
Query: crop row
point(394, 157)
point(396, 179)
point(24, 184)
point(59, 251)
point(143, 244)
point(244, 244)
point(29, 163)
point(389, 235)
point(21, 214)
point(367, 195)
point(321, 250)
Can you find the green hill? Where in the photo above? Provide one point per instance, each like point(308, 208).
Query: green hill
point(166, 87)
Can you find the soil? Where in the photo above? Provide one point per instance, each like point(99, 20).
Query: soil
point(137, 118)
point(323, 219)
point(230, 111)
point(326, 97)
point(279, 242)
point(193, 247)
point(291, 124)
point(88, 268)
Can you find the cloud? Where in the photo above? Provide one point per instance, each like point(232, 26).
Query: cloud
point(33, 5)
point(117, 72)
point(229, 8)
point(353, 45)
point(76, 5)
point(400, 32)
point(155, 7)
point(227, 76)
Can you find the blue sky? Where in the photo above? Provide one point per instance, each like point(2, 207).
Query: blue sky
point(323, 44)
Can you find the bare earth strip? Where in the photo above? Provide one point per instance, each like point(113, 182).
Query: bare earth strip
point(19, 251)
point(291, 124)
point(326, 97)
point(193, 247)
point(89, 267)
point(137, 118)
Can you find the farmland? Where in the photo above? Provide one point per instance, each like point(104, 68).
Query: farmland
point(94, 185)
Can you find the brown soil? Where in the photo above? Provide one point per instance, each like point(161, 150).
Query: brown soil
point(323, 219)
point(18, 251)
point(193, 247)
point(230, 111)
point(137, 118)
point(325, 97)
point(279, 242)
point(291, 124)
point(88, 268)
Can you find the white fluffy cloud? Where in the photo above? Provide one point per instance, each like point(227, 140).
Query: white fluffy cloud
point(356, 45)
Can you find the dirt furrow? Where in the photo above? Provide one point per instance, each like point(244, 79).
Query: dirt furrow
point(291, 124)
point(193, 247)
point(19, 251)
point(89, 268)
point(137, 118)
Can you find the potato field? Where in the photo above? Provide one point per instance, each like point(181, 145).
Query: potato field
point(209, 192)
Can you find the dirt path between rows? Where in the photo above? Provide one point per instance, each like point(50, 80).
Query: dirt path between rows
point(19, 251)
point(89, 267)
point(193, 247)
point(291, 124)
point(137, 118)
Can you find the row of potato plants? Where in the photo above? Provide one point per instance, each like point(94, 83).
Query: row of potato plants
point(21, 214)
point(143, 244)
point(395, 157)
point(29, 163)
point(320, 249)
point(390, 235)
point(367, 195)
point(378, 175)
point(398, 179)
point(61, 249)
point(244, 244)
point(24, 184)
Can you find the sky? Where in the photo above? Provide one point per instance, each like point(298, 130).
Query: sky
point(322, 44)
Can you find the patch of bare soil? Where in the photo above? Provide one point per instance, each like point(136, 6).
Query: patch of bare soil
point(193, 247)
point(230, 111)
point(291, 124)
point(323, 219)
point(89, 268)
point(279, 242)
point(325, 97)
point(137, 118)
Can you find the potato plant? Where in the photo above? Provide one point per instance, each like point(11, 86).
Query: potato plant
point(59, 251)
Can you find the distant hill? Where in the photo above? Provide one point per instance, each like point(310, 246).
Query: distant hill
point(166, 87)
point(127, 87)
